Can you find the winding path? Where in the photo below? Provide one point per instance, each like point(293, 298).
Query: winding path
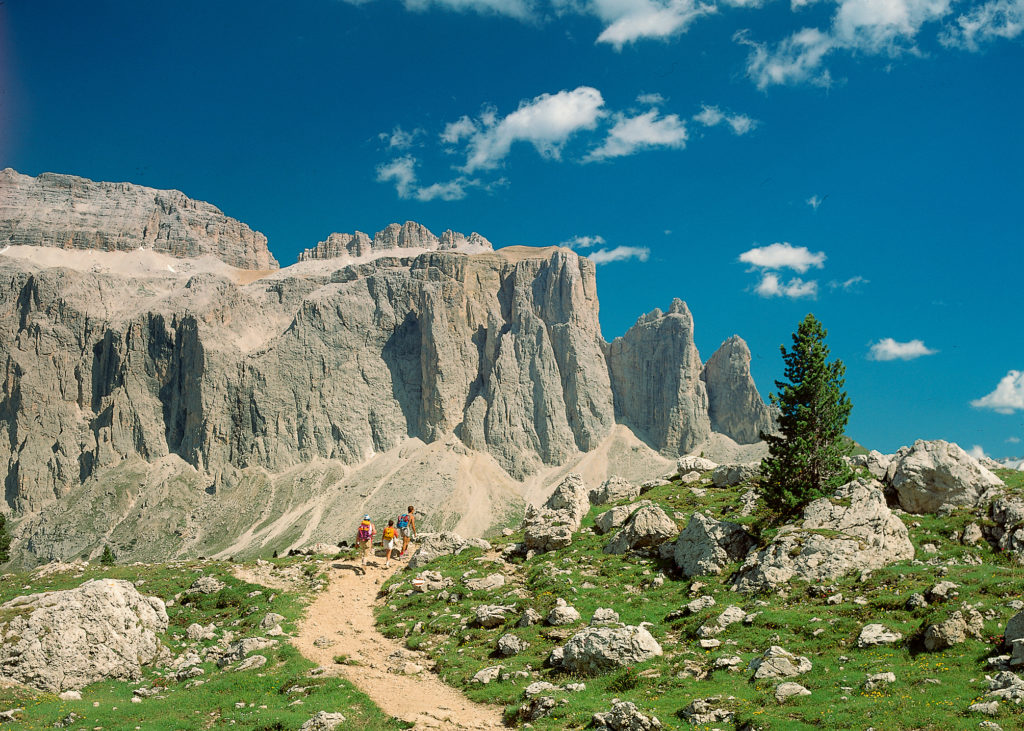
point(344, 615)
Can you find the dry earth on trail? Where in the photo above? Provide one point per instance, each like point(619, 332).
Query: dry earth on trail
point(344, 615)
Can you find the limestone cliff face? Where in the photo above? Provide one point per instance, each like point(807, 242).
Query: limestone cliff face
point(655, 372)
point(180, 397)
point(67, 211)
point(410, 235)
point(734, 405)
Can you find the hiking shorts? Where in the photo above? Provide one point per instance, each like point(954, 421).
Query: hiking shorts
point(393, 545)
point(363, 544)
point(405, 532)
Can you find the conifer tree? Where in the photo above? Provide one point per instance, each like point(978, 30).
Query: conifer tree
point(5, 541)
point(107, 559)
point(805, 459)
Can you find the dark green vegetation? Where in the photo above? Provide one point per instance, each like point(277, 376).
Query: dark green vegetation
point(806, 460)
point(5, 540)
point(107, 559)
point(932, 690)
point(267, 696)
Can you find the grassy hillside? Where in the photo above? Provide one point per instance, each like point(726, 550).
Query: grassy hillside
point(281, 695)
point(933, 690)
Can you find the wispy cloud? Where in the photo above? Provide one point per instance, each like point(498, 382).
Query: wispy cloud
point(583, 242)
point(783, 256)
point(512, 8)
point(1013, 440)
point(628, 21)
point(711, 116)
point(815, 202)
point(868, 27)
point(890, 349)
point(850, 285)
point(796, 288)
point(644, 131)
point(402, 172)
point(1007, 397)
point(400, 139)
point(985, 23)
point(653, 100)
point(619, 253)
point(977, 451)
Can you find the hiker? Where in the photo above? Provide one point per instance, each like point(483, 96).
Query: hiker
point(389, 542)
point(407, 528)
point(364, 537)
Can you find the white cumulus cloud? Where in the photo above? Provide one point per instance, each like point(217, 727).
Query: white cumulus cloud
point(1007, 397)
point(455, 132)
point(977, 451)
point(399, 138)
point(546, 122)
point(643, 131)
point(890, 349)
point(512, 8)
point(619, 253)
point(402, 172)
point(784, 256)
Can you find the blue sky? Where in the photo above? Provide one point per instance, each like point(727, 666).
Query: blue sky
point(859, 159)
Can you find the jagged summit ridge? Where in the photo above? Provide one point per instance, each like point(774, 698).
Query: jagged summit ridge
point(410, 235)
point(71, 212)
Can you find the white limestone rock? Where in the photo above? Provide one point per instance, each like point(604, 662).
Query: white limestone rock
point(868, 537)
point(613, 489)
point(931, 474)
point(647, 527)
point(707, 546)
point(596, 650)
point(65, 640)
point(735, 407)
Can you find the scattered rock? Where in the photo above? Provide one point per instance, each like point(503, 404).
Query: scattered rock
point(562, 614)
point(609, 520)
point(598, 649)
point(705, 711)
point(624, 716)
point(943, 591)
point(785, 691)
point(530, 617)
point(433, 545)
point(953, 631)
point(486, 675)
point(536, 708)
point(707, 546)
point(604, 616)
point(700, 604)
point(731, 615)
point(691, 463)
point(239, 650)
point(647, 527)
point(779, 663)
point(879, 680)
point(509, 645)
point(251, 663)
point(877, 634)
point(931, 474)
point(270, 620)
point(991, 708)
point(539, 687)
point(206, 585)
point(491, 615)
point(730, 475)
point(487, 583)
point(972, 535)
point(323, 721)
point(614, 489)
point(1008, 516)
point(916, 601)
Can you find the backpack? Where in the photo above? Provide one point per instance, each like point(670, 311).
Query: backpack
point(403, 520)
point(365, 531)
point(389, 533)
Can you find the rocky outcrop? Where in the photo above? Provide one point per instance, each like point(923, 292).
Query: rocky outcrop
point(735, 408)
point(666, 404)
point(69, 212)
point(431, 546)
point(707, 546)
point(597, 650)
point(609, 520)
point(624, 716)
point(614, 489)
point(552, 526)
point(931, 474)
point(852, 530)
point(410, 235)
point(647, 527)
point(65, 640)
point(1007, 525)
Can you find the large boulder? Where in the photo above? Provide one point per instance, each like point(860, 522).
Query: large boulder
point(552, 526)
point(931, 474)
point(65, 640)
point(609, 520)
point(779, 663)
point(853, 530)
point(435, 545)
point(706, 545)
point(624, 716)
point(693, 463)
point(613, 489)
point(964, 623)
point(730, 475)
point(649, 526)
point(599, 649)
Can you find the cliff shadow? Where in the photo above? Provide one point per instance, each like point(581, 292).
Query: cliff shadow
point(402, 355)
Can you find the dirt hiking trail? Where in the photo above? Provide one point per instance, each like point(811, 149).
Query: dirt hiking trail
point(343, 614)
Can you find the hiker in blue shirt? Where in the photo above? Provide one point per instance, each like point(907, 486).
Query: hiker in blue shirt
point(407, 528)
